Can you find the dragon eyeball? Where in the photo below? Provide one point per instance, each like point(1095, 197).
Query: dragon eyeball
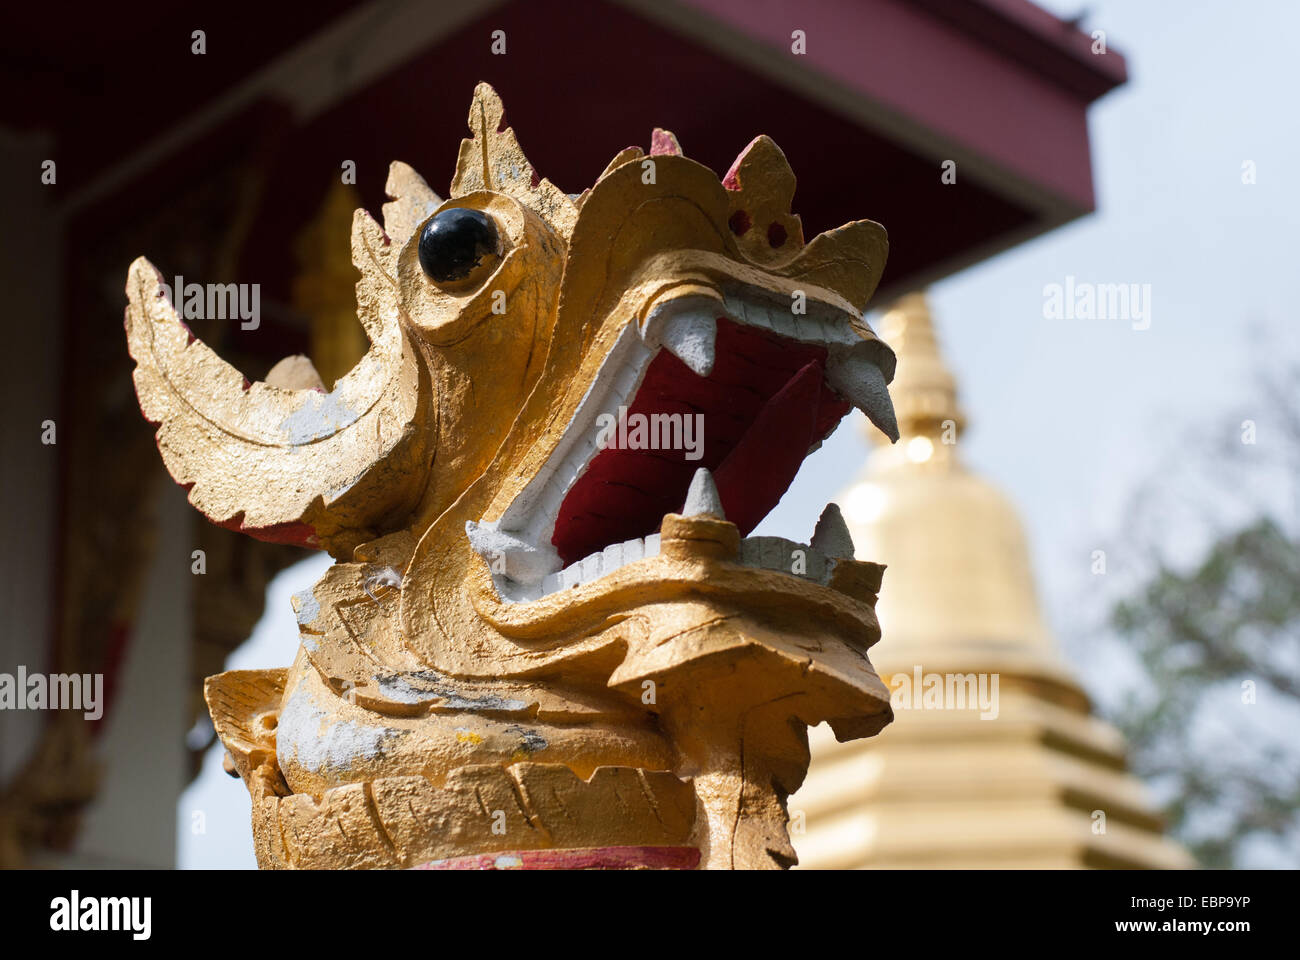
point(456, 243)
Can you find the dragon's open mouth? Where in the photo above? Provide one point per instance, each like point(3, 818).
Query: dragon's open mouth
point(731, 381)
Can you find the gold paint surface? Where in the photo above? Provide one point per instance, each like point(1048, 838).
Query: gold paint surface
point(425, 716)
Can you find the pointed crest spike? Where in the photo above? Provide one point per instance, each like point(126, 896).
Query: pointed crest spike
point(760, 188)
point(411, 201)
point(664, 144)
point(491, 159)
point(626, 155)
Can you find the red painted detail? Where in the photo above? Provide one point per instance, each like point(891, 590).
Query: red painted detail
point(776, 235)
point(765, 403)
point(248, 384)
point(536, 179)
point(119, 637)
point(759, 470)
point(662, 144)
point(949, 67)
point(739, 223)
point(1025, 32)
point(581, 858)
point(732, 178)
point(294, 534)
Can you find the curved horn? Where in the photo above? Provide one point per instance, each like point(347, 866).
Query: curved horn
point(292, 466)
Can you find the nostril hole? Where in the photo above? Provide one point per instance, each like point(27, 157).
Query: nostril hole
point(739, 223)
point(775, 234)
point(270, 721)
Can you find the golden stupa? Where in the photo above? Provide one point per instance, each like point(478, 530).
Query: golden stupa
point(994, 758)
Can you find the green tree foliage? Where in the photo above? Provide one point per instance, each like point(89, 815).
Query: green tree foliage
point(1215, 721)
point(1229, 623)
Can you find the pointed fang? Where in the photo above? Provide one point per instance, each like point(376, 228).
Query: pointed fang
point(862, 383)
point(688, 329)
point(702, 498)
point(832, 536)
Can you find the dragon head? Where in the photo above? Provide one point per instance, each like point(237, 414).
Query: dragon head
point(539, 485)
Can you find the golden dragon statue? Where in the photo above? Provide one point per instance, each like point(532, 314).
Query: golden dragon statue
point(549, 639)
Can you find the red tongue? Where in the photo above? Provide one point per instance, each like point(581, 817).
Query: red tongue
point(760, 410)
point(759, 469)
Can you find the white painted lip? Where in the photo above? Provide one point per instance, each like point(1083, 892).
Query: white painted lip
point(517, 548)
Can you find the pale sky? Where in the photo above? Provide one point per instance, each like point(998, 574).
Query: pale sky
point(1068, 417)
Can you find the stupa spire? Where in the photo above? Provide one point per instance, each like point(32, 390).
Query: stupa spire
point(924, 389)
point(994, 758)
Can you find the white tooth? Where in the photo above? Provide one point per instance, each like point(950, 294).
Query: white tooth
point(505, 553)
point(785, 556)
point(652, 545)
point(832, 537)
point(772, 556)
point(611, 557)
point(626, 379)
point(814, 329)
point(858, 380)
point(577, 460)
point(692, 339)
point(594, 566)
point(830, 324)
point(815, 567)
point(783, 322)
point(742, 312)
point(571, 575)
point(686, 327)
point(702, 497)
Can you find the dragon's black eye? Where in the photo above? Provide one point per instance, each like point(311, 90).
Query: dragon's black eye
point(455, 242)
